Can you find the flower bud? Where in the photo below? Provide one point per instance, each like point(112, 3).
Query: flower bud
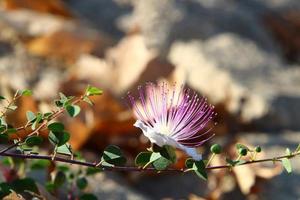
point(258, 149)
point(216, 149)
point(243, 151)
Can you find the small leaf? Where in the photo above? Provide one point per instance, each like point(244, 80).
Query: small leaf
point(88, 196)
point(58, 138)
point(26, 93)
point(33, 140)
point(30, 116)
point(12, 107)
point(199, 168)
point(113, 155)
point(4, 138)
point(20, 185)
point(288, 151)
point(286, 163)
point(73, 110)
point(87, 100)
point(39, 164)
point(91, 91)
point(2, 97)
point(142, 158)
point(81, 183)
point(39, 118)
point(298, 148)
point(59, 179)
point(11, 131)
point(92, 171)
point(65, 149)
point(231, 162)
point(56, 127)
point(161, 163)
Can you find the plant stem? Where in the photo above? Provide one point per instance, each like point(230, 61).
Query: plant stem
point(131, 168)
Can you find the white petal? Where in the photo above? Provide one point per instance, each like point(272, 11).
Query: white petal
point(161, 140)
point(192, 152)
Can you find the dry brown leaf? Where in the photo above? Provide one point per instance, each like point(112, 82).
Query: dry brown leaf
point(56, 7)
point(66, 45)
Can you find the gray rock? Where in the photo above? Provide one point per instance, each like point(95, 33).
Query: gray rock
point(163, 22)
point(234, 71)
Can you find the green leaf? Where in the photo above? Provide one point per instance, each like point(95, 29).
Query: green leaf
point(91, 91)
point(65, 149)
point(113, 155)
point(92, 171)
point(88, 196)
point(168, 152)
point(81, 183)
point(39, 118)
point(232, 162)
point(59, 179)
point(73, 110)
point(4, 138)
point(30, 116)
point(142, 158)
point(189, 163)
point(286, 163)
point(56, 127)
point(2, 97)
point(26, 93)
point(12, 107)
point(87, 100)
point(4, 189)
point(33, 140)
point(298, 148)
point(161, 163)
point(199, 168)
point(39, 164)
point(58, 138)
point(288, 151)
point(20, 185)
point(11, 130)
point(50, 186)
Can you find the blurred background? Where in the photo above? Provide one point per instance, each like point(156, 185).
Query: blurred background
point(243, 55)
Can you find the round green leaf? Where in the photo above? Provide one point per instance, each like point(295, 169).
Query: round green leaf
point(199, 168)
point(73, 110)
point(56, 127)
point(30, 116)
point(58, 138)
point(81, 183)
point(113, 155)
point(59, 179)
point(143, 158)
point(33, 140)
point(161, 163)
point(26, 93)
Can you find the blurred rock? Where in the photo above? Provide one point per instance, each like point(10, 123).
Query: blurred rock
point(163, 22)
point(29, 23)
point(112, 187)
point(235, 71)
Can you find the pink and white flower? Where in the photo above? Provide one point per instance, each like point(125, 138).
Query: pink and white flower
point(173, 117)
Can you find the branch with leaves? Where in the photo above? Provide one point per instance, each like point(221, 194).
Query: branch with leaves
point(155, 159)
